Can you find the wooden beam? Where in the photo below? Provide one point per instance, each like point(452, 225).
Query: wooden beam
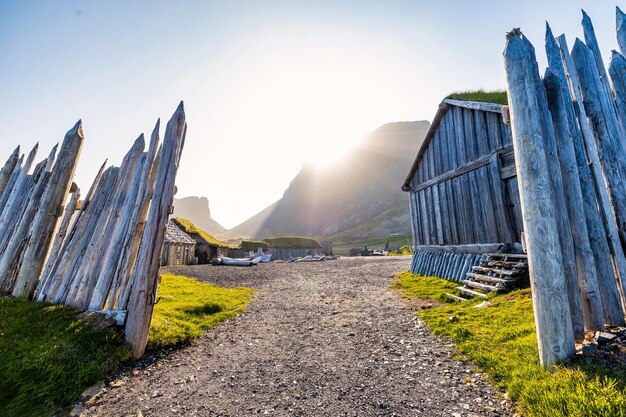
point(463, 169)
point(555, 335)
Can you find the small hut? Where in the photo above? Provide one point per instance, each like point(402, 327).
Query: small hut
point(463, 191)
point(287, 247)
point(247, 246)
point(178, 247)
point(207, 247)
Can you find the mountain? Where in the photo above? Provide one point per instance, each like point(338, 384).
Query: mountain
point(196, 209)
point(358, 196)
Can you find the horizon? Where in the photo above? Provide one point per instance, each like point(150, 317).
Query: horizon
point(266, 88)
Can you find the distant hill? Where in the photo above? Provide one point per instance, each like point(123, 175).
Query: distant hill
point(359, 196)
point(197, 210)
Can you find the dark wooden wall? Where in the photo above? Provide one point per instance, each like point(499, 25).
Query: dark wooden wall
point(464, 188)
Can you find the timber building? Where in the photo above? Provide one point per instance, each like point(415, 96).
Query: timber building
point(463, 190)
point(178, 247)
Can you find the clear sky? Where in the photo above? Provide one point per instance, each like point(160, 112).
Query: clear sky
point(267, 85)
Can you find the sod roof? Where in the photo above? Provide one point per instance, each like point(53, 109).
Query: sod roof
point(190, 228)
point(498, 96)
point(293, 242)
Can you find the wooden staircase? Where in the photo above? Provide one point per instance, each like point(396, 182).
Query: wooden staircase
point(497, 272)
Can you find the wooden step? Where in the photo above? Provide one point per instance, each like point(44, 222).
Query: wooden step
point(480, 286)
point(487, 278)
point(504, 264)
point(471, 292)
point(456, 297)
point(500, 271)
point(508, 255)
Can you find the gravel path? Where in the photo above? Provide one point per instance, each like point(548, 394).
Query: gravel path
point(320, 339)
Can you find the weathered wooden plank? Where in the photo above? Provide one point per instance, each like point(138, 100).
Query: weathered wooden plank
point(15, 239)
point(145, 274)
point(45, 283)
point(7, 169)
point(550, 300)
point(563, 224)
point(482, 134)
point(469, 134)
point(617, 69)
point(477, 207)
point(620, 19)
point(598, 180)
point(70, 207)
point(587, 283)
point(592, 43)
point(474, 248)
point(448, 124)
point(494, 132)
point(475, 105)
point(459, 133)
point(498, 197)
point(463, 169)
point(452, 215)
point(42, 229)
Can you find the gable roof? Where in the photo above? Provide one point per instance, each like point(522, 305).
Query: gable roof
point(445, 105)
point(174, 234)
point(191, 229)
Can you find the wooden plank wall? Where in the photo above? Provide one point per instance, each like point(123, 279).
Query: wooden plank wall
point(464, 190)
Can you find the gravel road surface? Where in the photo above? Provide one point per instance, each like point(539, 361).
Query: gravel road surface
point(319, 339)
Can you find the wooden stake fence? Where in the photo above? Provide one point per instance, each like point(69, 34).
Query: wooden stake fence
point(105, 255)
point(579, 108)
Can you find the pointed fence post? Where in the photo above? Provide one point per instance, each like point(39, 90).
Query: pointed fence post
point(146, 271)
point(8, 168)
point(555, 335)
point(44, 223)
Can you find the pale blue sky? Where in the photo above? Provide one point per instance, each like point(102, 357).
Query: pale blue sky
point(267, 85)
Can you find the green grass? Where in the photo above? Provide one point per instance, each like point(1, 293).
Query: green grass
point(49, 355)
point(248, 245)
point(499, 96)
point(187, 308)
point(501, 340)
point(292, 242)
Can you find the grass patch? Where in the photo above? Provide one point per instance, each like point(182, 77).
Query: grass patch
point(498, 96)
point(190, 228)
point(188, 307)
point(49, 355)
point(501, 340)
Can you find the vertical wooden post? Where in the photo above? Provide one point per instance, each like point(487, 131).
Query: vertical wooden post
point(44, 223)
point(552, 313)
point(145, 274)
point(620, 28)
point(609, 233)
point(592, 43)
point(563, 224)
point(587, 277)
point(7, 169)
point(601, 113)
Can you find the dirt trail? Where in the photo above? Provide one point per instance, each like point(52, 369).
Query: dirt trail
point(320, 339)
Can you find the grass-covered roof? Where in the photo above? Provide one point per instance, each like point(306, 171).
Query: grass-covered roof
point(497, 96)
point(190, 228)
point(253, 245)
point(293, 242)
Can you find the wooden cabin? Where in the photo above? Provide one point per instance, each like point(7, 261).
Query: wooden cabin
point(178, 248)
point(207, 247)
point(289, 247)
point(463, 191)
point(247, 246)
